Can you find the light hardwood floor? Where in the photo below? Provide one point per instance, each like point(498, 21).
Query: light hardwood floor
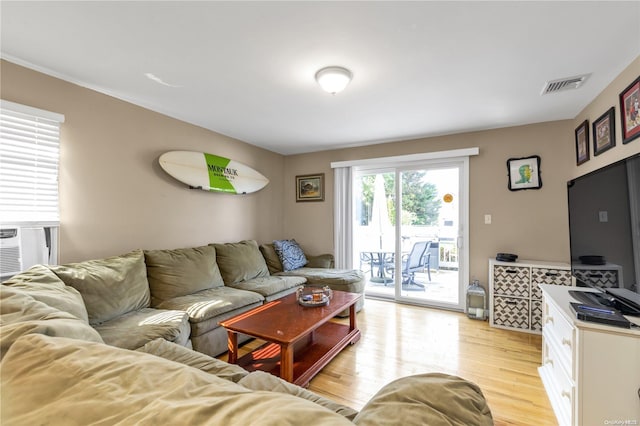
point(400, 340)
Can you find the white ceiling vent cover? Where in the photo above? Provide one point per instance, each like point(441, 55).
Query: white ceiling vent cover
point(568, 83)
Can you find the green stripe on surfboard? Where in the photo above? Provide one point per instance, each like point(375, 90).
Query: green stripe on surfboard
point(220, 176)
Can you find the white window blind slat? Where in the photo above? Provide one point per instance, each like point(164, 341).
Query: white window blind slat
point(29, 158)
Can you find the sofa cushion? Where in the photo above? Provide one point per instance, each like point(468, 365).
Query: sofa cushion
point(43, 285)
point(261, 381)
point(211, 303)
point(72, 382)
point(240, 261)
point(110, 287)
point(175, 273)
point(21, 314)
point(427, 399)
point(269, 286)
point(271, 258)
point(136, 328)
point(177, 353)
point(290, 254)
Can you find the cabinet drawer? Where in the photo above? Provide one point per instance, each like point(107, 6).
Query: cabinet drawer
point(561, 336)
point(598, 277)
point(511, 312)
point(511, 280)
point(548, 276)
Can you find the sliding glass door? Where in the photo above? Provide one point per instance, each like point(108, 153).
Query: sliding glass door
point(407, 233)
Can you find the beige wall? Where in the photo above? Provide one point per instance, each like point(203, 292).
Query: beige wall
point(114, 196)
point(531, 223)
point(608, 98)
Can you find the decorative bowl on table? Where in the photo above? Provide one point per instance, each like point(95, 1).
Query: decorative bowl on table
point(311, 296)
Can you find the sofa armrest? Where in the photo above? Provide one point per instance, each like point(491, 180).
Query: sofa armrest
point(261, 381)
point(427, 399)
point(173, 352)
point(275, 266)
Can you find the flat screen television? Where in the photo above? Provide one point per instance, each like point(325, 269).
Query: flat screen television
point(604, 226)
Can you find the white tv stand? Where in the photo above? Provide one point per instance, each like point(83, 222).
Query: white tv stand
point(591, 371)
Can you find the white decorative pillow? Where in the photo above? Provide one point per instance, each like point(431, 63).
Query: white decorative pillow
point(290, 254)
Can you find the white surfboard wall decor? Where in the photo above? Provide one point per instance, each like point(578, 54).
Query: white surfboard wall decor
point(211, 172)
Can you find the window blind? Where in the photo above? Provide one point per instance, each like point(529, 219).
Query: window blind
point(29, 157)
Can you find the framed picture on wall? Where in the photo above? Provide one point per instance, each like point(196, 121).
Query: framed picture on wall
point(582, 142)
point(630, 111)
point(604, 132)
point(524, 173)
point(310, 187)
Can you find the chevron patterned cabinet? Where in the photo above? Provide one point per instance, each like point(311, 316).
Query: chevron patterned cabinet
point(515, 299)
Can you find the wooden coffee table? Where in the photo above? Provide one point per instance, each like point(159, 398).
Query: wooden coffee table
point(300, 340)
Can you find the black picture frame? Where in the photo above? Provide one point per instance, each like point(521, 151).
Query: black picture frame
point(630, 111)
point(582, 143)
point(524, 173)
point(604, 132)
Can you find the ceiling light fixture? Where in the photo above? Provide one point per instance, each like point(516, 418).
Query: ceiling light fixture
point(333, 79)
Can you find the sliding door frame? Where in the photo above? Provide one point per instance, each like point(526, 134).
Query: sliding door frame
point(398, 163)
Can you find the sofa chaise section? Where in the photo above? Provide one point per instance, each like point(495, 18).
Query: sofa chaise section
point(318, 271)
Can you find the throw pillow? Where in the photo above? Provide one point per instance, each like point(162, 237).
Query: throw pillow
point(290, 254)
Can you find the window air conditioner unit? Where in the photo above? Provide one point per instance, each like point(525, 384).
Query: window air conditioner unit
point(21, 248)
point(10, 257)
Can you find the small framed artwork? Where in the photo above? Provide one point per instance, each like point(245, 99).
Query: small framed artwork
point(630, 111)
point(582, 142)
point(310, 187)
point(604, 132)
point(524, 173)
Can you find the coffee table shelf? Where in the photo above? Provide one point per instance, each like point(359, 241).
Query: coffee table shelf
point(300, 340)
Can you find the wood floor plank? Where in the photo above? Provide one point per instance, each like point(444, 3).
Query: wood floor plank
point(400, 340)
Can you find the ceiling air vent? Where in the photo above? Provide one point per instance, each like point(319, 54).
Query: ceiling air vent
point(562, 84)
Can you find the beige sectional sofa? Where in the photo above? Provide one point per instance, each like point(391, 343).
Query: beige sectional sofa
point(182, 294)
point(57, 367)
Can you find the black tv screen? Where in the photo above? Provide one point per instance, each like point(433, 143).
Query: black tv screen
point(604, 225)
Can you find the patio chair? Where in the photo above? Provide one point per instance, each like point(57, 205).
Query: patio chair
point(379, 265)
point(367, 261)
point(418, 260)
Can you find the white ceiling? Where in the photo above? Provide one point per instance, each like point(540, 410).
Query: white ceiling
point(246, 69)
